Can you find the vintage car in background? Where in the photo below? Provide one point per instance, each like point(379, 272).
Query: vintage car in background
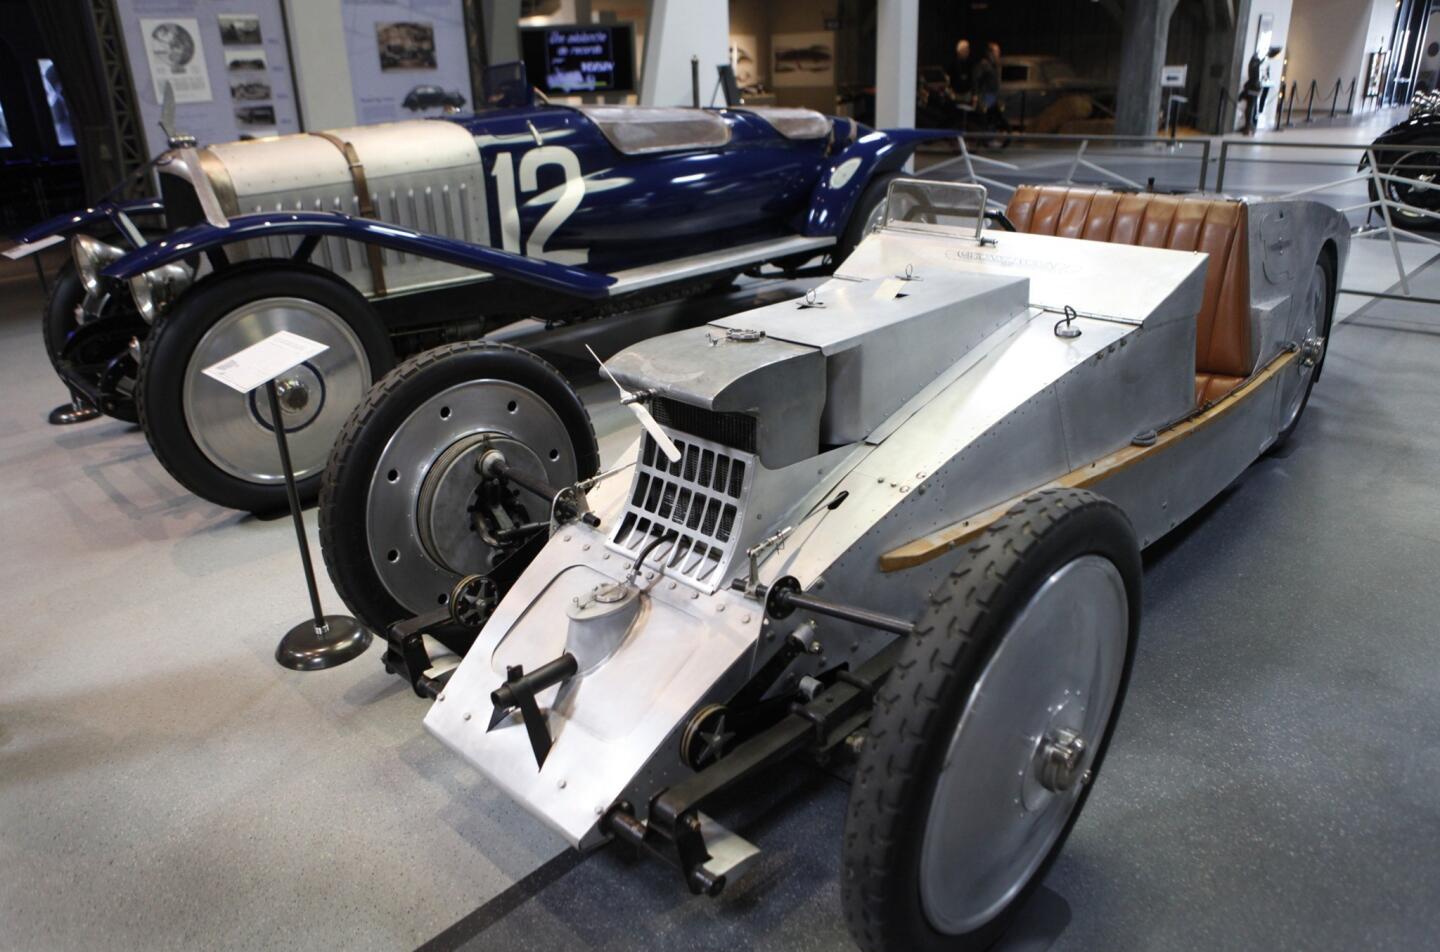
point(1410, 151)
point(421, 98)
point(1030, 84)
point(384, 240)
point(900, 519)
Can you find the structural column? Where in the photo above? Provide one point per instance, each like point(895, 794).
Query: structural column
point(678, 30)
point(896, 42)
point(1142, 53)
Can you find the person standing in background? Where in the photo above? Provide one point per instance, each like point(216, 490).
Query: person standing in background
point(962, 74)
point(1252, 93)
point(987, 88)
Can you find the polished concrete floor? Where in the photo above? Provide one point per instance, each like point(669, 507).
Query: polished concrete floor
point(164, 785)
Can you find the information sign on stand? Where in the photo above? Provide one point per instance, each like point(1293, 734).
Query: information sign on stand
point(321, 641)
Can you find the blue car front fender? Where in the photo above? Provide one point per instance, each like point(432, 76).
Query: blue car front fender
point(49, 232)
point(849, 171)
point(204, 237)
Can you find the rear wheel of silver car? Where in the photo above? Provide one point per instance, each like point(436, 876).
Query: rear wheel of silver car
point(220, 444)
point(989, 732)
point(405, 512)
point(1317, 308)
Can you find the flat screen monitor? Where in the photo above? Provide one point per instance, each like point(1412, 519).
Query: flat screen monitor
point(580, 58)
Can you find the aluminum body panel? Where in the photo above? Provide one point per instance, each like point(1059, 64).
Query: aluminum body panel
point(866, 330)
point(781, 384)
point(1122, 282)
point(608, 723)
point(1286, 237)
point(1161, 492)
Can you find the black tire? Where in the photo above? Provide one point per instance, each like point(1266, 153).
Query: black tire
point(171, 345)
point(870, 199)
point(1327, 265)
point(58, 323)
point(917, 710)
point(344, 495)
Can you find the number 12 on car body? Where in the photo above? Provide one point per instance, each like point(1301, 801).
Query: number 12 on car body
point(564, 199)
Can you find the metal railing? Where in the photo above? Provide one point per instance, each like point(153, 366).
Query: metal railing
point(983, 169)
point(1285, 104)
point(1077, 155)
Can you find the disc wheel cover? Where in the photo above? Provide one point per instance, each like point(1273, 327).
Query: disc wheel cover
point(234, 431)
point(991, 822)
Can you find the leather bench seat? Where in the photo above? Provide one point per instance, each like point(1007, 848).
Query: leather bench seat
point(1216, 226)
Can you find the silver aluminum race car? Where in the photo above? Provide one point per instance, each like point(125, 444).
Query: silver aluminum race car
point(901, 517)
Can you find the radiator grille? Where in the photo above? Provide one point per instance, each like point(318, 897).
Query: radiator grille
point(699, 497)
point(736, 430)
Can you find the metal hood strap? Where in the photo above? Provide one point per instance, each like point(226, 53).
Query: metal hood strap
point(367, 207)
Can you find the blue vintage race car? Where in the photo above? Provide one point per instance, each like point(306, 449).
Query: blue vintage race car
point(382, 241)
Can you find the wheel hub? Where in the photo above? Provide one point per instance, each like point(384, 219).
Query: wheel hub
point(236, 433)
point(301, 395)
point(457, 502)
point(429, 509)
point(1058, 758)
point(293, 396)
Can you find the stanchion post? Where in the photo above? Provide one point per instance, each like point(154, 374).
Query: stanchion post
point(293, 495)
point(323, 641)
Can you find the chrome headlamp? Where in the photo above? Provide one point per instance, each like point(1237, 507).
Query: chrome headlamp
point(154, 291)
point(92, 257)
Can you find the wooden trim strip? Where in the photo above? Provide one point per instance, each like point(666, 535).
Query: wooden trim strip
point(937, 543)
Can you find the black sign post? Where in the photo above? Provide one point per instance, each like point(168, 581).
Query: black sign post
point(321, 641)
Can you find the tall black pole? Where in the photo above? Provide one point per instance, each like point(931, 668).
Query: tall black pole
point(294, 495)
point(325, 640)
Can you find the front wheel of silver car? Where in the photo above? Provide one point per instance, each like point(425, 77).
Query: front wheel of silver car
point(220, 444)
point(988, 735)
point(407, 506)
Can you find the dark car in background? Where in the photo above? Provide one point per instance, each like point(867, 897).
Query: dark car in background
point(432, 97)
point(1410, 150)
point(1031, 83)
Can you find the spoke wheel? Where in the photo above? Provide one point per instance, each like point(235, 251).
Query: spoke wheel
point(405, 512)
point(1422, 166)
point(988, 734)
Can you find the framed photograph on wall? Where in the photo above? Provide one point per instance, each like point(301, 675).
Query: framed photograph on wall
point(802, 59)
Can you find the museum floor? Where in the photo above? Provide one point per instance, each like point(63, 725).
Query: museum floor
point(165, 785)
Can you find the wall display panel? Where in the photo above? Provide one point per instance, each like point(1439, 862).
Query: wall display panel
point(407, 59)
point(803, 59)
point(226, 60)
point(5, 142)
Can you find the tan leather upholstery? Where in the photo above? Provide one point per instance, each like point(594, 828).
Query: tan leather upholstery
point(1215, 226)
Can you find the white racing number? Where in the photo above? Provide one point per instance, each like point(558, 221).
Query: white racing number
point(566, 199)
